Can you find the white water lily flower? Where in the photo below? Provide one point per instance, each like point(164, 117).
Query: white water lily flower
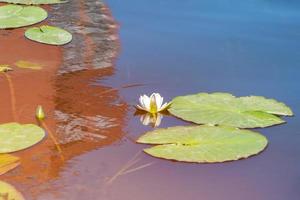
point(152, 104)
point(151, 119)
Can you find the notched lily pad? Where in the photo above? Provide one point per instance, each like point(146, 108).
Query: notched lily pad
point(49, 35)
point(9, 192)
point(15, 16)
point(226, 109)
point(203, 144)
point(8, 162)
point(33, 2)
point(28, 65)
point(16, 137)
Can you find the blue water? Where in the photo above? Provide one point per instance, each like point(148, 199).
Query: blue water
point(249, 47)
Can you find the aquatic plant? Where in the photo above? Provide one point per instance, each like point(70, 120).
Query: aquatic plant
point(220, 139)
point(152, 104)
point(5, 68)
point(33, 2)
point(151, 119)
point(8, 162)
point(28, 65)
point(15, 16)
point(9, 192)
point(226, 109)
point(39, 113)
point(15, 137)
point(49, 35)
point(203, 144)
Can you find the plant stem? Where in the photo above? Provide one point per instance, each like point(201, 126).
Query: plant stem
point(12, 97)
point(57, 146)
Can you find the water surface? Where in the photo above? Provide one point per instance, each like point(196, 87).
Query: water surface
point(175, 48)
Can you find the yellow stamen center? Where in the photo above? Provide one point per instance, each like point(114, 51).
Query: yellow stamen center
point(153, 107)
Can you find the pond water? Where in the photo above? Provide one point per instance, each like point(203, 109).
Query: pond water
point(172, 47)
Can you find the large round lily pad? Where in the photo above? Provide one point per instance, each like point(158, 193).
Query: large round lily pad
point(49, 35)
point(226, 109)
point(203, 144)
point(8, 162)
point(9, 192)
point(33, 2)
point(14, 16)
point(15, 137)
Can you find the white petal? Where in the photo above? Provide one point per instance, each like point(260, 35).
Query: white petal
point(165, 106)
point(141, 108)
point(145, 119)
point(142, 101)
point(146, 101)
point(158, 119)
point(159, 100)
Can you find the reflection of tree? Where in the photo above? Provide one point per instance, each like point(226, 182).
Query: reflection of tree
point(80, 116)
point(84, 119)
point(83, 114)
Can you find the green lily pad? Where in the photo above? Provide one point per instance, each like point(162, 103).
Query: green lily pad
point(8, 162)
point(9, 192)
point(49, 35)
point(15, 16)
point(203, 144)
point(226, 109)
point(33, 2)
point(15, 137)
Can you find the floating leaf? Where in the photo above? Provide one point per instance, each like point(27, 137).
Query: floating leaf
point(49, 35)
point(33, 2)
point(5, 68)
point(8, 162)
point(9, 192)
point(28, 65)
point(226, 109)
point(15, 137)
point(203, 144)
point(14, 16)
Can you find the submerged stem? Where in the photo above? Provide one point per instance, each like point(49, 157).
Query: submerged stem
point(44, 125)
point(126, 168)
point(12, 97)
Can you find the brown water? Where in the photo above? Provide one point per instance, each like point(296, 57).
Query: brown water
point(172, 47)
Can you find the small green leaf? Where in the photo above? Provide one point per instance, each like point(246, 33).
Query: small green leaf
point(33, 2)
point(15, 16)
point(203, 144)
point(28, 65)
point(226, 109)
point(8, 162)
point(49, 35)
point(9, 192)
point(15, 137)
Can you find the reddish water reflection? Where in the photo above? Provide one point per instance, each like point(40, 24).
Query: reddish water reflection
point(81, 116)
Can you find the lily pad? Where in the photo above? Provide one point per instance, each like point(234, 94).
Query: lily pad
point(15, 137)
point(9, 192)
point(226, 109)
point(15, 16)
point(203, 144)
point(8, 162)
point(33, 2)
point(49, 35)
point(28, 65)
